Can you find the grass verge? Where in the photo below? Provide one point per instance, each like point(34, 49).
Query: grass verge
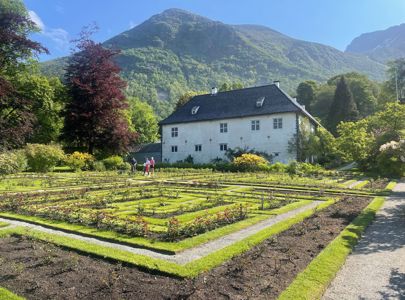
point(390, 185)
point(7, 295)
point(313, 281)
point(3, 224)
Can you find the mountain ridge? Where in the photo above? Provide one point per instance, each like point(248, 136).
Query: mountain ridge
point(381, 45)
point(176, 51)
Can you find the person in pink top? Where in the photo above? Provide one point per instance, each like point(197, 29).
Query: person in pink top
point(147, 166)
point(152, 166)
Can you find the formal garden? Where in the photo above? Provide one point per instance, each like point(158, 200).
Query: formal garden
point(177, 224)
point(78, 221)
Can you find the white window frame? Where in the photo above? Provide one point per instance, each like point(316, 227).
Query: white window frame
point(255, 125)
point(198, 148)
point(277, 123)
point(223, 127)
point(223, 147)
point(175, 148)
point(175, 131)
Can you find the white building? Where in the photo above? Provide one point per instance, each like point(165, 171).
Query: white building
point(262, 118)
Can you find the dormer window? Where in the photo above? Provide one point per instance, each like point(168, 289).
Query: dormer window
point(194, 110)
point(259, 102)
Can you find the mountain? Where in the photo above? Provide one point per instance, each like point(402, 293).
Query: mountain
point(176, 51)
point(382, 45)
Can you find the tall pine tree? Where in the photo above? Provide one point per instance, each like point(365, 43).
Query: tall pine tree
point(94, 117)
point(343, 107)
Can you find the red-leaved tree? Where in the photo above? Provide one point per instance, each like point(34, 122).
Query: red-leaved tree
point(16, 117)
point(94, 117)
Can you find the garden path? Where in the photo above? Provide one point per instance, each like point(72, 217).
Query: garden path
point(185, 256)
point(376, 268)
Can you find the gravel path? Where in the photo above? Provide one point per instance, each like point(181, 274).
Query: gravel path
point(376, 268)
point(187, 255)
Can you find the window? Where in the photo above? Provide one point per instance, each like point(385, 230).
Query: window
point(223, 127)
point(276, 154)
point(255, 125)
point(174, 148)
point(194, 110)
point(175, 131)
point(223, 147)
point(259, 102)
point(278, 123)
point(198, 148)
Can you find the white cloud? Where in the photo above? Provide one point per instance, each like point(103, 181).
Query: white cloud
point(58, 35)
point(36, 19)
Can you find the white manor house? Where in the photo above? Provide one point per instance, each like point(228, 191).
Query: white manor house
point(262, 118)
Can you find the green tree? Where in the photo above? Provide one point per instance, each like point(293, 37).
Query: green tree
point(323, 101)
point(365, 92)
point(229, 86)
point(396, 73)
point(16, 53)
point(343, 107)
point(184, 98)
point(306, 93)
point(354, 141)
point(48, 96)
point(144, 121)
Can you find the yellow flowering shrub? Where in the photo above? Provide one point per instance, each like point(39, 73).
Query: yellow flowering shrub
point(249, 160)
point(79, 160)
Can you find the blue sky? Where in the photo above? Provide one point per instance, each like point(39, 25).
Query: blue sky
point(330, 22)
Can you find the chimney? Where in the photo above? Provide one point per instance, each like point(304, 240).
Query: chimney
point(277, 83)
point(303, 106)
point(214, 91)
point(294, 99)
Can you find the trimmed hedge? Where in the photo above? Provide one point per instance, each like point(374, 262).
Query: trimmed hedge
point(314, 280)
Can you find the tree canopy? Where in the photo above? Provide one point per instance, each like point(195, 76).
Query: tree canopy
point(343, 107)
point(16, 117)
point(144, 121)
point(94, 116)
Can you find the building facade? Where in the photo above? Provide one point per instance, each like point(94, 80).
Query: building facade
point(263, 118)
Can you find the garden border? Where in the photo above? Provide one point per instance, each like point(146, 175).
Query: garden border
point(161, 247)
point(316, 277)
point(159, 266)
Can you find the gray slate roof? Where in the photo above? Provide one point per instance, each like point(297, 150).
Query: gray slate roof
point(235, 104)
point(148, 148)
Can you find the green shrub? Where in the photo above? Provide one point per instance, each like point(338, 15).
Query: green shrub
point(12, 162)
point(43, 158)
point(248, 161)
point(99, 166)
point(302, 169)
point(79, 161)
point(116, 163)
point(278, 167)
point(391, 159)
